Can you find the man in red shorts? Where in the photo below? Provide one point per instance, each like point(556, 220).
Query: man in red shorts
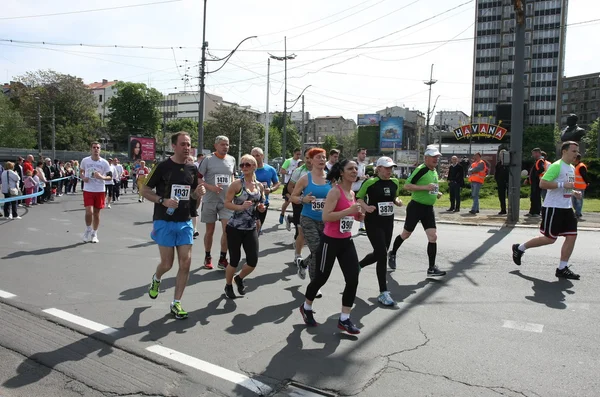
point(93, 170)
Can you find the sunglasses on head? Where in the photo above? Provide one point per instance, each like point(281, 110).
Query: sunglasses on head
point(243, 165)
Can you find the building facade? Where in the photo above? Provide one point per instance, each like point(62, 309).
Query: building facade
point(102, 92)
point(185, 104)
point(449, 120)
point(320, 127)
point(494, 53)
point(581, 95)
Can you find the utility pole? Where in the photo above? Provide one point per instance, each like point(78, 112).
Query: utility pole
point(165, 135)
point(516, 134)
point(53, 134)
point(267, 113)
point(284, 138)
point(201, 77)
point(39, 117)
point(302, 129)
point(429, 83)
point(240, 147)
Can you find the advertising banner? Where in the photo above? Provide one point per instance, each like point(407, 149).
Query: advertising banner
point(391, 129)
point(141, 148)
point(368, 119)
point(482, 130)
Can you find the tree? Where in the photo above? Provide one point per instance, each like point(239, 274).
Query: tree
point(591, 140)
point(274, 143)
point(541, 136)
point(292, 136)
point(188, 125)
point(349, 145)
point(227, 121)
point(329, 143)
point(14, 132)
point(133, 111)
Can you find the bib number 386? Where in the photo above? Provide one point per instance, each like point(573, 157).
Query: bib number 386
point(346, 224)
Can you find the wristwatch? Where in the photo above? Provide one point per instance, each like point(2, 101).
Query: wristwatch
point(160, 200)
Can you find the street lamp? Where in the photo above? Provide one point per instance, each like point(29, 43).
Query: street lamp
point(429, 83)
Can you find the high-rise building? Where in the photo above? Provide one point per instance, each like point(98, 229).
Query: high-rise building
point(581, 95)
point(494, 52)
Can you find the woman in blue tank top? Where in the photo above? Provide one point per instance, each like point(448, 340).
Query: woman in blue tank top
point(311, 191)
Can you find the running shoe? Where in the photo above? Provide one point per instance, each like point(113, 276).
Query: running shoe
point(517, 254)
point(362, 230)
point(222, 264)
point(308, 316)
point(302, 271)
point(288, 224)
point(392, 261)
point(229, 292)
point(95, 238)
point(298, 261)
point(347, 326)
point(319, 294)
point(153, 291)
point(140, 200)
point(17, 217)
point(566, 273)
point(208, 263)
point(87, 236)
point(435, 272)
point(178, 312)
point(196, 234)
point(108, 206)
point(240, 285)
point(281, 219)
point(386, 299)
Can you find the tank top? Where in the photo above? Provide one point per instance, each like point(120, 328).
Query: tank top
point(245, 219)
point(314, 210)
point(343, 227)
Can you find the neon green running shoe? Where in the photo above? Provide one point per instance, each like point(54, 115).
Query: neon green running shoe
point(153, 291)
point(178, 312)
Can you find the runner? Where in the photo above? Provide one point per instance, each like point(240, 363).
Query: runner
point(141, 174)
point(339, 212)
point(197, 163)
point(558, 218)
point(217, 173)
point(311, 190)
point(266, 175)
point(176, 183)
point(194, 204)
point(334, 156)
point(297, 208)
point(423, 183)
point(245, 197)
point(110, 184)
point(93, 172)
point(287, 168)
point(361, 157)
point(377, 198)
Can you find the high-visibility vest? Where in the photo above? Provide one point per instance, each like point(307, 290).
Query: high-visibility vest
point(579, 182)
point(478, 177)
point(546, 166)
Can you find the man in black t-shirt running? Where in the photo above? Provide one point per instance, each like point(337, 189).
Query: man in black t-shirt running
point(176, 184)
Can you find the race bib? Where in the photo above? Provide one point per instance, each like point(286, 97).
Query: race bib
point(436, 190)
point(386, 208)
point(346, 224)
point(222, 179)
point(569, 192)
point(318, 205)
point(183, 191)
point(89, 172)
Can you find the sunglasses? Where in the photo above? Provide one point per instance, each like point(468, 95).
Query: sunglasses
point(243, 165)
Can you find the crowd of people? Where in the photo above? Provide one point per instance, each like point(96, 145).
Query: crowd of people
point(328, 196)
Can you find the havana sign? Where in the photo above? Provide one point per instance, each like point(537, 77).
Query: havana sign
point(482, 130)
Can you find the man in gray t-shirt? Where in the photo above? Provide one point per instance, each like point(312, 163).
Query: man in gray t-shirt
point(216, 172)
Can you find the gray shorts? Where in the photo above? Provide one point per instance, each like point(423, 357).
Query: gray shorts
point(210, 211)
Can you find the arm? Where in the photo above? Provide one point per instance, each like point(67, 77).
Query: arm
point(584, 174)
point(275, 181)
point(544, 184)
point(296, 196)
point(330, 202)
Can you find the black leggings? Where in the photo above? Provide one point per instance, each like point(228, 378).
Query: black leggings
point(379, 232)
point(262, 216)
point(246, 238)
point(343, 249)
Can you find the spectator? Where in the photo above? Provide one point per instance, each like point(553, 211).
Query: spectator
point(29, 185)
point(36, 189)
point(10, 188)
point(501, 177)
point(536, 173)
point(44, 183)
point(47, 170)
point(456, 180)
point(19, 171)
point(582, 181)
point(477, 174)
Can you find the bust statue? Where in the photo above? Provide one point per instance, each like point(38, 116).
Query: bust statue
point(572, 131)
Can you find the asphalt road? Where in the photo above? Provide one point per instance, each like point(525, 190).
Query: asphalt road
point(77, 320)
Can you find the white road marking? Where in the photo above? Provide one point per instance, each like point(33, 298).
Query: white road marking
point(6, 295)
point(21, 243)
point(33, 229)
point(578, 306)
point(518, 325)
point(239, 379)
point(94, 326)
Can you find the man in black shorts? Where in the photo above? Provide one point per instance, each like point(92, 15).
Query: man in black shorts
point(558, 218)
point(424, 185)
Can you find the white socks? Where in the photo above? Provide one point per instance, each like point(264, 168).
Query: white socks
point(307, 306)
point(344, 316)
point(562, 265)
point(522, 248)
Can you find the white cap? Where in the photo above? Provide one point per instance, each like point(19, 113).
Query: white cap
point(432, 151)
point(385, 162)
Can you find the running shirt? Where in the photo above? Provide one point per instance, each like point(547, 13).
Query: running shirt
point(314, 210)
point(142, 172)
point(89, 167)
point(298, 173)
point(343, 227)
point(559, 171)
point(245, 219)
point(266, 175)
point(113, 173)
point(289, 166)
point(422, 176)
point(217, 171)
point(362, 168)
point(381, 194)
point(171, 179)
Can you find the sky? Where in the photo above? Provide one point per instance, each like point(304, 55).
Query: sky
point(357, 56)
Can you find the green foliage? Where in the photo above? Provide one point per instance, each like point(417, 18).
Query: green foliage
point(227, 121)
point(368, 137)
point(274, 143)
point(349, 145)
point(593, 169)
point(541, 136)
point(188, 125)
point(14, 132)
point(489, 189)
point(133, 111)
point(292, 135)
point(329, 143)
point(591, 140)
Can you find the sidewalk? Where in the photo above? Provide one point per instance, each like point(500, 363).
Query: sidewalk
point(590, 221)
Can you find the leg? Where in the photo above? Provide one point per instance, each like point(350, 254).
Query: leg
point(348, 260)
point(567, 248)
point(299, 241)
point(96, 218)
point(457, 198)
point(208, 236)
point(89, 215)
point(431, 246)
point(167, 256)
point(184, 257)
point(224, 235)
point(234, 240)
point(452, 190)
point(325, 256)
point(14, 209)
point(250, 244)
point(312, 233)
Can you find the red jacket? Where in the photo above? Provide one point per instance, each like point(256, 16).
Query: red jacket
point(27, 166)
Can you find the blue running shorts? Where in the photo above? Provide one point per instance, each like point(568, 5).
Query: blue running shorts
point(172, 234)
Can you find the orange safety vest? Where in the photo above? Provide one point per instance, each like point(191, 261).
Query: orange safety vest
point(579, 182)
point(478, 177)
point(546, 165)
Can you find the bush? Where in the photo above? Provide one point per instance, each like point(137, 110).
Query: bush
point(489, 189)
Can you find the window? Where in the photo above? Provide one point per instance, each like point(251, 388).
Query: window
point(100, 98)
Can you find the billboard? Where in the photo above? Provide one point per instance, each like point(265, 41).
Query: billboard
point(141, 148)
point(368, 119)
point(482, 130)
point(390, 133)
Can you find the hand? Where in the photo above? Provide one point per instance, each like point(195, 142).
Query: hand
point(354, 209)
point(569, 185)
point(439, 195)
point(398, 202)
point(309, 198)
point(216, 189)
point(200, 190)
point(359, 217)
point(370, 209)
point(431, 187)
point(170, 203)
point(267, 190)
point(97, 175)
point(246, 205)
point(577, 194)
point(85, 179)
point(261, 207)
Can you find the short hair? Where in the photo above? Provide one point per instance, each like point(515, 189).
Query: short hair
point(566, 145)
point(95, 143)
point(9, 165)
point(360, 149)
point(477, 154)
point(221, 138)
point(200, 155)
point(334, 152)
point(536, 149)
point(544, 154)
point(175, 136)
point(296, 150)
point(306, 150)
point(257, 149)
point(314, 151)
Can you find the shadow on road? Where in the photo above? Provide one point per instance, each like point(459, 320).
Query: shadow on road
point(549, 293)
point(42, 251)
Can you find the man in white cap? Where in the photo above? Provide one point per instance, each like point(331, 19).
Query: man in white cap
point(424, 185)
